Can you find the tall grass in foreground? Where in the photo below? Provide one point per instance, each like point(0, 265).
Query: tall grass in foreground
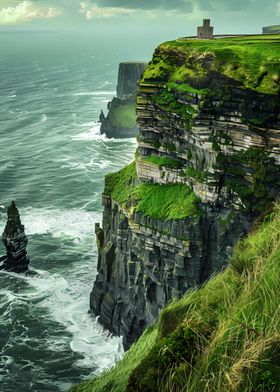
point(242, 309)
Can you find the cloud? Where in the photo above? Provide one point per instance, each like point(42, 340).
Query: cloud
point(93, 11)
point(183, 5)
point(26, 11)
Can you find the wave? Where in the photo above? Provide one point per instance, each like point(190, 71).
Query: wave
point(95, 93)
point(76, 224)
point(65, 300)
point(91, 134)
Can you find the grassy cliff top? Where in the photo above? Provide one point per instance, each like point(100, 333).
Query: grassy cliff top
point(253, 61)
point(224, 336)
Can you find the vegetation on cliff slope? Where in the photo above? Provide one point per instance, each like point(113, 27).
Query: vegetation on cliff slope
point(251, 61)
point(124, 116)
point(163, 161)
point(165, 202)
point(224, 336)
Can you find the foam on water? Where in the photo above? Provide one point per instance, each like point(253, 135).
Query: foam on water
point(64, 298)
point(76, 224)
point(91, 134)
point(94, 93)
point(44, 118)
point(59, 298)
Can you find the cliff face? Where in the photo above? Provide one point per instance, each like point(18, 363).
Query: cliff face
point(121, 119)
point(206, 167)
point(271, 29)
point(129, 75)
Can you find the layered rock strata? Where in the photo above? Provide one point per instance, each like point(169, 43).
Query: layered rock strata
point(120, 121)
point(207, 132)
point(15, 241)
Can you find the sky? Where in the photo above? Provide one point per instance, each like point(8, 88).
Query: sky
point(176, 17)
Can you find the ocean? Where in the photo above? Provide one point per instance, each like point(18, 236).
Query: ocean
point(52, 163)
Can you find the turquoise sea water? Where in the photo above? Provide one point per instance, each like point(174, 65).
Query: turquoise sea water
point(52, 162)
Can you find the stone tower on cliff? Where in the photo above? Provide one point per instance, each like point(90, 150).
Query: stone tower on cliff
point(206, 31)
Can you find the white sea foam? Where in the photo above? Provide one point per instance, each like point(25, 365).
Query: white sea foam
point(103, 164)
point(66, 300)
point(87, 124)
point(91, 134)
point(76, 224)
point(95, 93)
point(44, 118)
point(65, 297)
point(71, 309)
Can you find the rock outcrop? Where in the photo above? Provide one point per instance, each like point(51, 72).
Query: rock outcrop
point(15, 241)
point(121, 119)
point(275, 29)
point(207, 166)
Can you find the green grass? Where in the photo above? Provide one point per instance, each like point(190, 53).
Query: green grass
point(120, 185)
point(253, 61)
point(186, 88)
point(164, 202)
point(124, 116)
point(224, 336)
point(169, 103)
point(201, 176)
point(163, 161)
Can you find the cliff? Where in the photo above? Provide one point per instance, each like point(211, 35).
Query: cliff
point(207, 166)
point(128, 77)
point(271, 29)
point(221, 337)
point(120, 121)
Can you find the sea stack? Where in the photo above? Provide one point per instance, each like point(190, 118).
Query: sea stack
point(15, 241)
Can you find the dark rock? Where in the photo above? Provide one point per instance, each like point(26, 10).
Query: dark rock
point(121, 119)
point(15, 241)
point(129, 75)
point(140, 269)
